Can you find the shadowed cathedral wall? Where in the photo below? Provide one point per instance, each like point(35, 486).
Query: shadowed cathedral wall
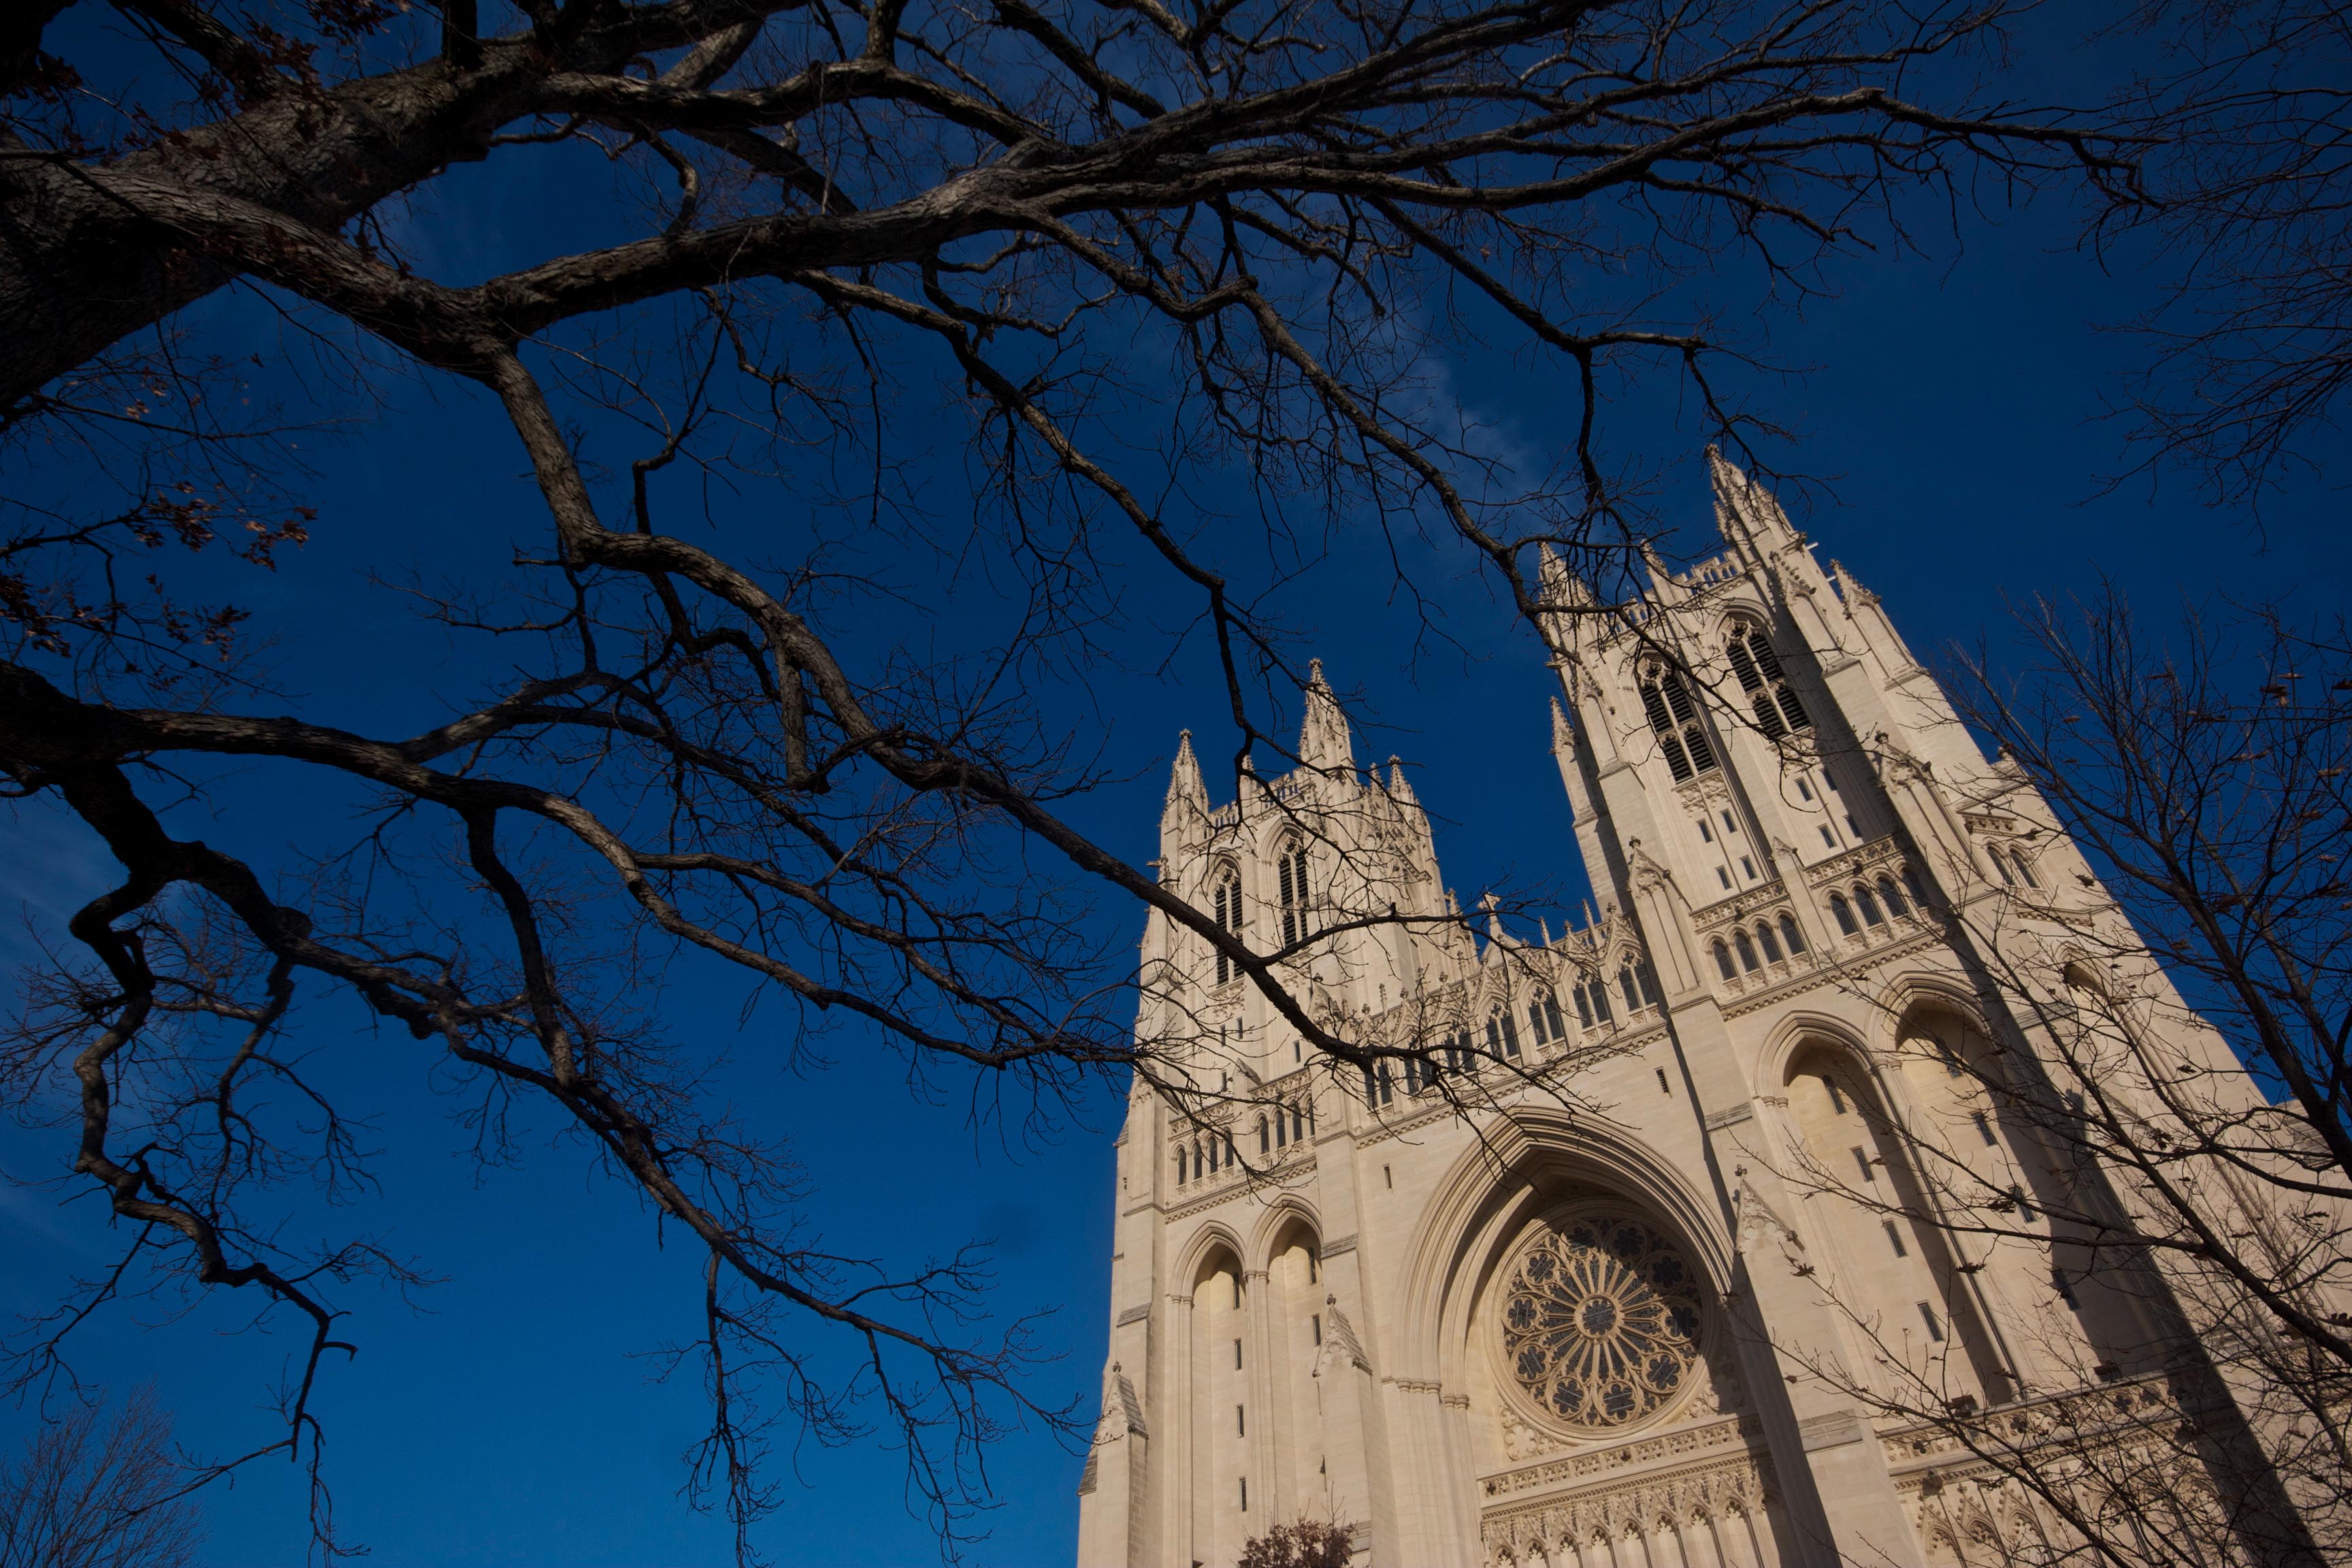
point(1601, 1300)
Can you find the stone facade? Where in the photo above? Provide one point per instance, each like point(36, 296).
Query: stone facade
point(1597, 1266)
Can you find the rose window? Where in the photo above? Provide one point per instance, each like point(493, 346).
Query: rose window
point(1600, 1321)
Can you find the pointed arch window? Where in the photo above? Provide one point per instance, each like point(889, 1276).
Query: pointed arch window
point(1769, 943)
point(1225, 907)
point(1758, 669)
point(1843, 912)
point(1892, 897)
point(1501, 1035)
point(1869, 906)
point(1790, 937)
point(1290, 875)
point(1723, 962)
point(1747, 951)
point(1601, 1001)
point(1544, 1020)
point(1673, 717)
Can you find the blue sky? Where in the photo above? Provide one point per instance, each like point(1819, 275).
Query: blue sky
point(510, 1415)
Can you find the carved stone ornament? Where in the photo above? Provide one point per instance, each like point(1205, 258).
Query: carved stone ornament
point(1598, 1324)
point(1627, 1514)
point(1647, 873)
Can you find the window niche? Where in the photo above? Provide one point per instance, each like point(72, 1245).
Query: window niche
point(1673, 717)
point(1758, 669)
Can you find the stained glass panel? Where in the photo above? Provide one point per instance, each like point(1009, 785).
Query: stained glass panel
point(1600, 1321)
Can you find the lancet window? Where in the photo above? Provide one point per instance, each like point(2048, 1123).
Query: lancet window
point(1790, 937)
point(1225, 907)
point(1459, 1056)
point(1592, 1002)
point(2024, 873)
point(1544, 1020)
point(1290, 874)
point(1501, 1035)
point(1758, 669)
point(1421, 1072)
point(1673, 717)
point(1892, 897)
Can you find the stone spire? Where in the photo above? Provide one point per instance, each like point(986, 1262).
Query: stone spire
point(1848, 587)
point(1567, 600)
point(1497, 938)
point(1666, 588)
point(1556, 584)
point(1400, 787)
point(1184, 817)
point(1324, 744)
point(1185, 783)
point(1746, 513)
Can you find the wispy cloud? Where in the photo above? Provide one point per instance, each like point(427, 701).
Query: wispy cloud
point(55, 865)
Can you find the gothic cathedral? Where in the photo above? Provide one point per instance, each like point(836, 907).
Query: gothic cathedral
point(1597, 1256)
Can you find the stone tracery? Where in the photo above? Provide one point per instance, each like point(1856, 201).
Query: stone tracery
point(1600, 1322)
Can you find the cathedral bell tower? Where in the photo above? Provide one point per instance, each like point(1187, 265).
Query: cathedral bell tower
point(1602, 1253)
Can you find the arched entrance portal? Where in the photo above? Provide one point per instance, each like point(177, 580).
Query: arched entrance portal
point(1590, 1382)
point(1614, 1427)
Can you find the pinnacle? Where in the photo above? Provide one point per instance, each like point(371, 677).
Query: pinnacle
point(1184, 781)
point(1323, 740)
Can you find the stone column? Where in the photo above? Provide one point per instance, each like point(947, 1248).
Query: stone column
point(1270, 1492)
point(1174, 1475)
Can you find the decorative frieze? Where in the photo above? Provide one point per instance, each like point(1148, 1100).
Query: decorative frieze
point(2094, 1453)
point(1295, 1171)
point(2128, 1410)
point(1846, 865)
point(1620, 1457)
point(1772, 895)
point(1738, 1485)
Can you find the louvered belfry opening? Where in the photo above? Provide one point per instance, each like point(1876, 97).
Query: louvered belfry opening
point(1758, 669)
point(1666, 703)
